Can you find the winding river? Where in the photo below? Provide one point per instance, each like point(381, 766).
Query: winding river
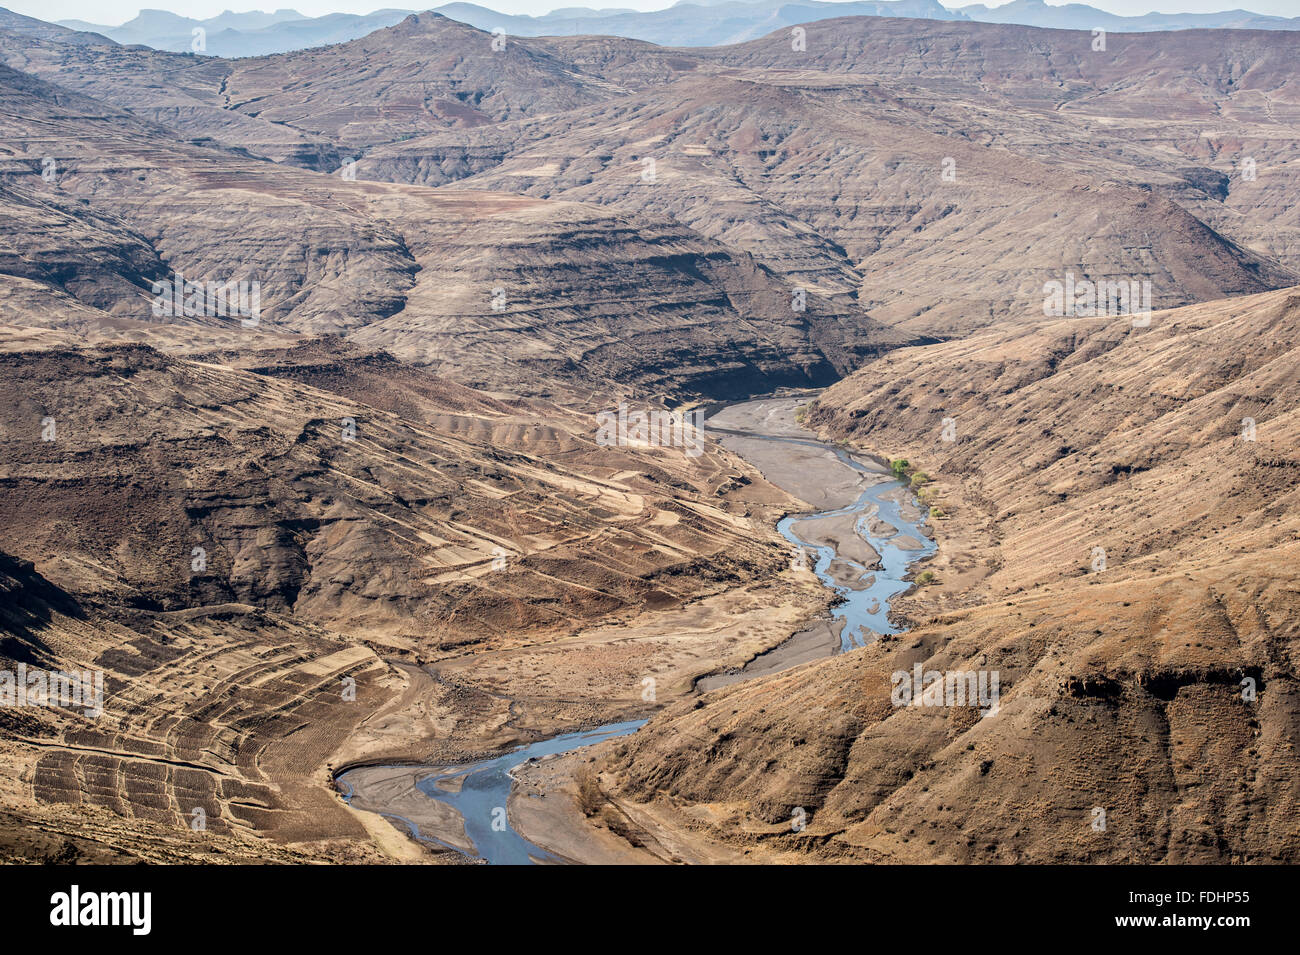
point(479, 793)
point(861, 550)
point(865, 603)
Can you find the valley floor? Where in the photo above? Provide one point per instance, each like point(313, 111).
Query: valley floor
point(558, 803)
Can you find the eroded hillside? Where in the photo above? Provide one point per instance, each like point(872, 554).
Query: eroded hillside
point(1137, 600)
point(232, 548)
point(491, 288)
point(362, 515)
point(924, 174)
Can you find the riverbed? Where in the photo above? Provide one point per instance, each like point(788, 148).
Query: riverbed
point(478, 794)
point(861, 534)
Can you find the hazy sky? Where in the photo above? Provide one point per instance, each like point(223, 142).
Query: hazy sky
point(114, 12)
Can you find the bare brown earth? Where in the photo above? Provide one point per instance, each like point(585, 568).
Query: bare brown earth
point(335, 555)
point(588, 298)
point(374, 555)
point(228, 711)
point(825, 165)
point(1121, 688)
point(328, 559)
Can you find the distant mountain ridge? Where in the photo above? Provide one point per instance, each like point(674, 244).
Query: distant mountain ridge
point(241, 34)
point(683, 24)
point(1079, 16)
point(694, 24)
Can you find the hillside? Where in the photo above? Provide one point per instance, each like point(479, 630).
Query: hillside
point(301, 357)
point(232, 546)
point(588, 296)
point(1121, 682)
point(931, 193)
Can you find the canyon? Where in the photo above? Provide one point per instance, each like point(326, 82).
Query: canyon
point(340, 557)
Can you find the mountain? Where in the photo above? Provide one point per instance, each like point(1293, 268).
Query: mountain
point(233, 35)
point(1079, 16)
point(241, 34)
point(824, 168)
point(158, 28)
point(39, 30)
point(690, 24)
point(261, 560)
point(830, 171)
point(354, 507)
point(351, 507)
point(1121, 682)
point(683, 24)
point(393, 266)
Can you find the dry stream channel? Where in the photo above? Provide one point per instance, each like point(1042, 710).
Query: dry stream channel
point(862, 536)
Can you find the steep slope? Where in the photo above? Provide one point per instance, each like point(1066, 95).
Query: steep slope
point(842, 189)
point(188, 759)
point(1047, 67)
point(245, 553)
point(424, 73)
point(1204, 118)
point(16, 23)
point(188, 100)
point(858, 165)
point(1097, 429)
point(1153, 680)
point(1117, 510)
point(348, 516)
point(316, 107)
point(559, 290)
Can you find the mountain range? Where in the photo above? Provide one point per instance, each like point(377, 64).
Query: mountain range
point(387, 476)
point(683, 24)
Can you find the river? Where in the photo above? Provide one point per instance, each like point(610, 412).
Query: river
point(861, 540)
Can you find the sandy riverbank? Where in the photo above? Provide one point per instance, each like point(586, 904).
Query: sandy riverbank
point(815, 475)
point(811, 472)
point(733, 636)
